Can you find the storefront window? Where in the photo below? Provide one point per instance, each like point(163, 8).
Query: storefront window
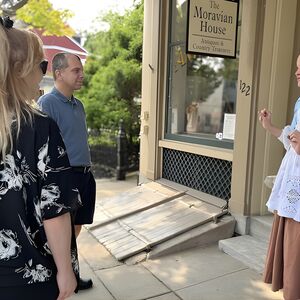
point(201, 89)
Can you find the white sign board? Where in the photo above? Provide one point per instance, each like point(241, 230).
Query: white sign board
point(212, 27)
point(229, 126)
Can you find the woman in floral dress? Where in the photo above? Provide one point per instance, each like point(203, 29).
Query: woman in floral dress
point(38, 256)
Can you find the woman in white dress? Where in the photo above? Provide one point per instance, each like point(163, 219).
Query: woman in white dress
point(282, 268)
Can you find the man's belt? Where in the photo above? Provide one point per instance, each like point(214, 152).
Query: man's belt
point(81, 169)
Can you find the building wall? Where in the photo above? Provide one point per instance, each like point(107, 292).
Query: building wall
point(269, 46)
point(149, 91)
point(276, 78)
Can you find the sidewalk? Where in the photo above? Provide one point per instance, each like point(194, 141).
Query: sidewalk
point(196, 274)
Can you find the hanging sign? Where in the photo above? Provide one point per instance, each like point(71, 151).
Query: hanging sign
point(212, 27)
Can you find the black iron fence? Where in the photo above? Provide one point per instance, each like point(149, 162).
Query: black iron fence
point(107, 160)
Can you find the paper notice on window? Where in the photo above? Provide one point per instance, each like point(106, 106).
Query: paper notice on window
point(229, 126)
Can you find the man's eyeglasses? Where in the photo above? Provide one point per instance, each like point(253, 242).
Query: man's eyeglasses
point(43, 66)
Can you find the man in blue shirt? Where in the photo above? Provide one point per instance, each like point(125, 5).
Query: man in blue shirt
point(68, 112)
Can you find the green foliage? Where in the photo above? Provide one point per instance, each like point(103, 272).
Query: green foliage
point(41, 15)
point(229, 69)
point(104, 138)
point(201, 77)
point(112, 86)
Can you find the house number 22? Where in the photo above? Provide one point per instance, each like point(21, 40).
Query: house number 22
point(244, 88)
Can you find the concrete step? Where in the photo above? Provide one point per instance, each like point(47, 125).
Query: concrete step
point(249, 250)
point(260, 227)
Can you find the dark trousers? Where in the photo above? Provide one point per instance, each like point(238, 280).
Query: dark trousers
point(86, 185)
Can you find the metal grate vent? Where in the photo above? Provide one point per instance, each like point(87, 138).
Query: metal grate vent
point(206, 174)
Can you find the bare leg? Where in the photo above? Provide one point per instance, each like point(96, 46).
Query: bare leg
point(77, 230)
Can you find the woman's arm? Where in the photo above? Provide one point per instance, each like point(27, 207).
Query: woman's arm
point(264, 118)
point(58, 232)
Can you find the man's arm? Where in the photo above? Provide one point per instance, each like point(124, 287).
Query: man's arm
point(45, 106)
point(58, 232)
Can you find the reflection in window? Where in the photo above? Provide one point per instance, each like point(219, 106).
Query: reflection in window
point(202, 89)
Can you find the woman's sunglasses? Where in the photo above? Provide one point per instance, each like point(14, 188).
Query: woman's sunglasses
point(43, 66)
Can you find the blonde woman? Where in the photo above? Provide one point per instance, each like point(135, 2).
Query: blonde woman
point(38, 256)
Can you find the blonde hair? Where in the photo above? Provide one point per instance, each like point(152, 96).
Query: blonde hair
point(20, 51)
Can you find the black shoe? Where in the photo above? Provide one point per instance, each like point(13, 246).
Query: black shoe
point(84, 284)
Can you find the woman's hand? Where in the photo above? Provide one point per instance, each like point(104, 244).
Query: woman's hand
point(294, 138)
point(264, 117)
point(66, 283)
point(59, 232)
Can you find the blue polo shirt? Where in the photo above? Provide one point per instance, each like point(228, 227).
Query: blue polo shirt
point(70, 118)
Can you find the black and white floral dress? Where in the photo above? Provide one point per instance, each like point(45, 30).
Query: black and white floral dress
point(35, 185)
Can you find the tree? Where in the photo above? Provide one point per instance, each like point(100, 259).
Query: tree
point(9, 7)
point(40, 15)
point(202, 77)
point(112, 86)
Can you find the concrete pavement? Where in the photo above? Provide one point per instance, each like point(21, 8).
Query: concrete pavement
point(197, 274)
